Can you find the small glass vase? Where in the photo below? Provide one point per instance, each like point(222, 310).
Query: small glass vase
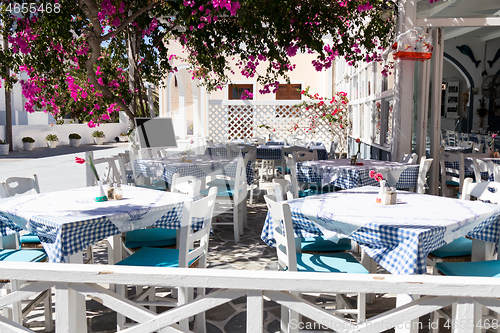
point(102, 194)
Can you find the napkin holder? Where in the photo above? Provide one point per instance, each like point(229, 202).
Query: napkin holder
point(389, 197)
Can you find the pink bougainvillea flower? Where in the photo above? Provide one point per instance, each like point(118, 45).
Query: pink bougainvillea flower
point(378, 177)
point(372, 173)
point(493, 135)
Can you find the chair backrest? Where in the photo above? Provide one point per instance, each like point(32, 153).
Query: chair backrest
point(295, 140)
point(477, 147)
point(305, 156)
point(333, 149)
point(424, 167)
point(20, 185)
point(125, 164)
point(451, 138)
point(282, 189)
point(477, 165)
point(466, 144)
point(260, 140)
point(289, 150)
point(240, 180)
point(409, 158)
point(450, 173)
point(111, 174)
point(194, 244)
point(236, 149)
point(187, 184)
point(494, 169)
point(3, 191)
point(290, 164)
point(485, 191)
point(285, 238)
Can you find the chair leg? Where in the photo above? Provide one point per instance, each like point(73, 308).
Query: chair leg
point(120, 319)
point(361, 307)
point(47, 309)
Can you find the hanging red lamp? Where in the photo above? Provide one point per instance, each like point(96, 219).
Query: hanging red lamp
point(415, 44)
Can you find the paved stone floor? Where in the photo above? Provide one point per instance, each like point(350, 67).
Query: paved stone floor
point(251, 253)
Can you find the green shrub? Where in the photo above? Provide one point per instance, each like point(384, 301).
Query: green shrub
point(75, 136)
point(51, 137)
point(28, 139)
point(98, 134)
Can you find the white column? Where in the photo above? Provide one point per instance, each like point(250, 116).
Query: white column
point(423, 108)
point(182, 81)
point(435, 119)
point(404, 89)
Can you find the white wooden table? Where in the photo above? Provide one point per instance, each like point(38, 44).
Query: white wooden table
point(69, 221)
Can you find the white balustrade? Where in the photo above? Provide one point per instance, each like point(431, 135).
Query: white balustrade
point(91, 281)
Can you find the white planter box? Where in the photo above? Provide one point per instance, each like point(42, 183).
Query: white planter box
point(52, 144)
point(4, 149)
point(28, 146)
point(98, 141)
point(74, 142)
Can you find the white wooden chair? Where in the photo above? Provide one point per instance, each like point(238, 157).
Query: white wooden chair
point(477, 147)
point(484, 191)
point(494, 169)
point(21, 185)
point(127, 171)
point(11, 187)
point(162, 237)
point(291, 261)
point(451, 177)
point(424, 167)
point(333, 148)
point(192, 252)
point(259, 140)
point(111, 173)
point(233, 199)
point(465, 144)
point(305, 156)
point(409, 158)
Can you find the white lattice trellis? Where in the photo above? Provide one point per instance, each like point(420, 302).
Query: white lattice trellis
point(238, 119)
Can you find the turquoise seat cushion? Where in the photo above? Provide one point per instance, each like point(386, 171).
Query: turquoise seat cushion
point(153, 257)
point(29, 238)
point(221, 182)
point(452, 183)
point(459, 247)
point(222, 191)
point(320, 244)
point(341, 262)
point(306, 193)
point(150, 237)
point(31, 255)
point(490, 268)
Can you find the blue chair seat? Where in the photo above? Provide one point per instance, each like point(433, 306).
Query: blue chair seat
point(153, 257)
point(452, 183)
point(158, 184)
point(490, 268)
point(341, 262)
point(29, 238)
point(222, 191)
point(220, 182)
point(32, 255)
point(306, 193)
point(320, 244)
point(151, 237)
point(459, 247)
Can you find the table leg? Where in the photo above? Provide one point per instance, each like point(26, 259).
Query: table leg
point(482, 250)
point(115, 250)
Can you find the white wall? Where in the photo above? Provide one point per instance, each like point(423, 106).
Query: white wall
point(38, 132)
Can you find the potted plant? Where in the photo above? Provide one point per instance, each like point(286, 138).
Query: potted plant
point(4, 148)
point(28, 143)
point(98, 137)
point(51, 140)
point(74, 140)
point(123, 137)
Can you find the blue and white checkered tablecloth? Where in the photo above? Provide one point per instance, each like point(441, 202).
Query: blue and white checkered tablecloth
point(266, 152)
point(341, 174)
point(200, 166)
point(75, 220)
point(469, 169)
point(398, 237)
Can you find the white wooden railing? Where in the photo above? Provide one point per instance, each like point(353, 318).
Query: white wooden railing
point(92, 281)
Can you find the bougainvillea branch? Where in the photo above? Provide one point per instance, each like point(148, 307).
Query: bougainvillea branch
point(92, 58)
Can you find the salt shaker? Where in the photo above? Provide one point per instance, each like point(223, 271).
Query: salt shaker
point(118, 192)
